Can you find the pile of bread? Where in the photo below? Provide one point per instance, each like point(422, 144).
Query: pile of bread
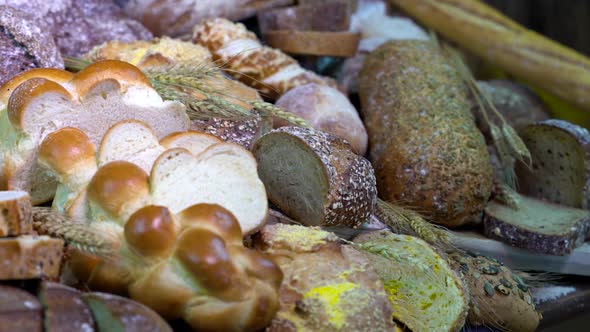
point(183, 202)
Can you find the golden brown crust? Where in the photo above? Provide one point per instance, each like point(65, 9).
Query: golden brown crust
point(214, 218)
point(121, 72)
point(30, 257)
point(151, 231)
point(63, 149)
point(320, 43)
point(56, 75)
point(15, 213)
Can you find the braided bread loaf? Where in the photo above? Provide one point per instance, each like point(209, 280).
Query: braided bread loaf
point(269, 70)
point(41, 101)
point(190, 265)
point(184, 168)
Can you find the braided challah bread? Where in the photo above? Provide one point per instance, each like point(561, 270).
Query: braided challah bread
point(180, 170)
point(42, 101)
point(190, 265)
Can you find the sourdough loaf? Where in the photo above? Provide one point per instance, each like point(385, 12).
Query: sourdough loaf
point(498, 298)
point(327, 286)
point(30, 257)
point(184, 168)
point(328, 110)
point(190, 265)
point(44, 100)
point(315, 178)
point(425, 293)
point(560, 169)
point(425, 146)
point(15, 213)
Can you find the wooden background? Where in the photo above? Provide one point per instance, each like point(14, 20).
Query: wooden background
point(567, 21)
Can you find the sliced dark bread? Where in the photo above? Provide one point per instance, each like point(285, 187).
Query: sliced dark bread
point(64, 309)
point(560, 170)
point(315, 178)
point(537, 225)
point(19, 311)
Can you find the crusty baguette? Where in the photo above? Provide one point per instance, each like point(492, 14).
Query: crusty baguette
point(30, 257)
point(560, 169)
point(425, 146)
point(329, 16)
point(320, 43)
point(92, 100)
point(19, 311)
point(64, 309)
point(499, 40)
point(269, 70)
point(315, 178)
point(328, 110)
point(15, 213)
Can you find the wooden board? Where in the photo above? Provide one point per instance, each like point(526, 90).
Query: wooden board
point(576, 263)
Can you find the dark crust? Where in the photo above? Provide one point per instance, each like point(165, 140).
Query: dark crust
point(242, 132)
point(64, 308)
point(541, 243)
point(582, 136)
point(352, 194)
point(19, 310)
point(329, 16)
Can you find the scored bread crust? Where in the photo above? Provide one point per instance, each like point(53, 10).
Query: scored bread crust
point(44, 100)
point(30, 257)
point(15, 213)
point(352, 193)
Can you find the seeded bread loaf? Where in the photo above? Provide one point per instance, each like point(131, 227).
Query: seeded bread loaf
point(425, 293)
point(560, 171)
point(15, 213)
point(498, 297)
point(537, 225)
point(190, 265)
point(44, 100)
point(30, 257)
point(19, 310)
point(327, 286)
point(425, 146)
point(315, 178)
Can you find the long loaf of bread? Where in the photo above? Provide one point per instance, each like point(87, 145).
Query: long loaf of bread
point(523, 53)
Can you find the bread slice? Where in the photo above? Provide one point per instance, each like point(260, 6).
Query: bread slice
point(30, 257)
point(114, 313)
point(94, 99)
point(426, 294)
point(320, 43)
point(330, 16)
point(64, 309)
point(15, 213)
point(537, 225)
point(560, 170)
point(315, 178)
point(19, 310)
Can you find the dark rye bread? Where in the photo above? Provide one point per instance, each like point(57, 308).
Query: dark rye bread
point(64, 309)
point(329, 16)
point(24, 45)
point(537, 225)
point(560, 170)
point(19, 311)
point(315, 178)
point(424, 144)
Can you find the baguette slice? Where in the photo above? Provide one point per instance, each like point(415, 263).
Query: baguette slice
point(15, 213)
point(560, 171)
point(315, 178)
point(537, 225)
point(424, 291)
point(114, 313)
point(330, 16)
point(30, 257)
point(64, 309)
point(19, 311)
point(321, 43)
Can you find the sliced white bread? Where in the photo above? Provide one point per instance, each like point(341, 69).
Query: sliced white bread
point(15, 213)
point(560, 171)
point(537, 225)
point(92, 100)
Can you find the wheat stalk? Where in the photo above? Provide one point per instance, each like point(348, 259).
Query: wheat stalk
point(78, 235)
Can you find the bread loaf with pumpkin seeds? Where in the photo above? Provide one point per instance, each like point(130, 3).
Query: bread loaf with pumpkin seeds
point(425, 146)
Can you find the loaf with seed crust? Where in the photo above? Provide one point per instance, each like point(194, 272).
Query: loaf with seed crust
point(190, 265)
point(315, 178)
point(425, 146)
point(41, 101)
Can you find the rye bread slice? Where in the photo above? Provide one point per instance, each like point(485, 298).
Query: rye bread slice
point(15, 213)
point(64, 309)
point(537, 225)
point(314, 177)
point(19, 311)
point(560, 170)
point(30, 257)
